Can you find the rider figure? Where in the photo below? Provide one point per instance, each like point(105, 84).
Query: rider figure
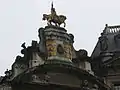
point(53, 12)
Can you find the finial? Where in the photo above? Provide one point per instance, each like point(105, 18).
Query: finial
point(106, 25)
point(105, 29)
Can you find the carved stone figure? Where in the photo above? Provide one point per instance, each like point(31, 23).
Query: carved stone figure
point(85, 85)
point(103, 43)
point(95, 87)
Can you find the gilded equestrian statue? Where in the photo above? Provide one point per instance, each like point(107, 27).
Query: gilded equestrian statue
point(54, 18)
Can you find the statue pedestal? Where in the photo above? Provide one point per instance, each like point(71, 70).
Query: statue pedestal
point(58, 43)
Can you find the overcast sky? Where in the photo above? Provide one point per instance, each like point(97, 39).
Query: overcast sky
point(21, 19)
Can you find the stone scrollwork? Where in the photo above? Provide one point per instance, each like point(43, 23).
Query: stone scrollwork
point(37, 78)
point(71, 37)
point(41, 35)
point(82, 53)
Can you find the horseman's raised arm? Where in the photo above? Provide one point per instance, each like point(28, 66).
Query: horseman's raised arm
point(51, 5)
point(53, 12)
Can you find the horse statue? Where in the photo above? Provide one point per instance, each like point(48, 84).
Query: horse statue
point(57, 20)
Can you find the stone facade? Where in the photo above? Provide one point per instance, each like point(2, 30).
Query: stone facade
point(105, 57)
point(54, 64)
